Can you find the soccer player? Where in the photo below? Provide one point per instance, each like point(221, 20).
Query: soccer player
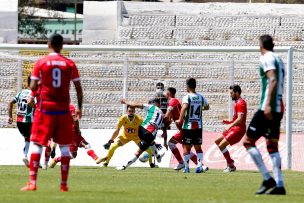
point(160, 88)
point(78, 141)
point(25, 115)
point(130, 123)
point(52, 118)
point(236, 128)
point(148, 129)
point(267, 120)
point(191, 118)
point(172, 114)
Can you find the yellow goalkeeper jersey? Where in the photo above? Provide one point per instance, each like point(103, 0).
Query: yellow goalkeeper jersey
point(130, 127)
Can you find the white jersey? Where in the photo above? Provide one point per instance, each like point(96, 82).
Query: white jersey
point(271, 61)
point(25, 113)
point(193, 118)
point(154, 116)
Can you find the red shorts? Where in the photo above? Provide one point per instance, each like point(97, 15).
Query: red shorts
point(77, 139)
point(178, 137)
point(234, 134)
point(57, 127)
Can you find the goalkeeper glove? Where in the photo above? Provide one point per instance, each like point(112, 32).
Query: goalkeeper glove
point(107, 145)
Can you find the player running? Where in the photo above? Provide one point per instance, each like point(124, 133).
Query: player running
point(25, 115)
point(148, 129)
point(52, 118)
point(191, 118)
point(267, 120)
point(172, 114)
point(78, 141)
point(236, 128)
point(130, 123)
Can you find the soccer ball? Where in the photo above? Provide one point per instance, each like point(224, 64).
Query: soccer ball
point(144, 157)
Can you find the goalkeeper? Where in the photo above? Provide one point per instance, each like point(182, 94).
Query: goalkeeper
point(131, 123)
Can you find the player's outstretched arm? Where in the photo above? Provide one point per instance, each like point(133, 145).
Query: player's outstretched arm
point(133, 104)
point(79, 92)
point(10, 111)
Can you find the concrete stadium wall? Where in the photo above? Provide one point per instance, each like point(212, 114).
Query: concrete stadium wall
point(12, 144)
point(8, 21)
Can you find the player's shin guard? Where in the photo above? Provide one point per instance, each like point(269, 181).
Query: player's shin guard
point(150, 155)
point(199, 157)
point(65, 164)
point(47, 154)
point(227, 156)
point(175, 152)
point(34, 162)
point(272, 148)
point(258, 160)
point(132, 161)
point(186, 160)
point(193, 157)
point(111, 152)
point(26, 147)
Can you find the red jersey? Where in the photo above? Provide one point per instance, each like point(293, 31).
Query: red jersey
point(55, 73)
point(174, 107)
point(240, 106)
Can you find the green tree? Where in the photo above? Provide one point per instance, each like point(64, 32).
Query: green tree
point(30, 26)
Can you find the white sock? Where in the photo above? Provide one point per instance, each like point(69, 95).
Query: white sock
point(257, 158)
point(154, 150)
point(26, 148)
point(186, 160)
point(276, 162)
point(199, 159)
point(131, 161)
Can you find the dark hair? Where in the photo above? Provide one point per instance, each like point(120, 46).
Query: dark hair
point(172, 90)
point(132, 107)
point(161, 85)
point(191, 83)
point(236, 88)
point(56, 41)
point(267, 42)
point(28, 80)
point(154, 100)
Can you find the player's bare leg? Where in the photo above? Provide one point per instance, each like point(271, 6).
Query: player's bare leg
point(34, 165)
point(255, 154)
point(222, 143)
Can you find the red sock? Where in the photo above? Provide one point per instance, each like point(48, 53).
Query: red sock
point(65, 165)
point(193, 158)
point(34, 165)
point(227, 157)
point(58, 159)
point(177, 155)
point(47, 153)
point(92, 154)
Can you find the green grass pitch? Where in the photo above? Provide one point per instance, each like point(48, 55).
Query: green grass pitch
point(143, 185)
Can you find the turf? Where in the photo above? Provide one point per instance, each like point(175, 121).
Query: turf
point(93, 184)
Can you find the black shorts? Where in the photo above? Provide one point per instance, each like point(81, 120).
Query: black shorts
point(25, 129)
point(261, 126)
point(192, 136)
point(146, 138)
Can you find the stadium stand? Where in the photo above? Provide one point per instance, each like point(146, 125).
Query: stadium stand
point(102, 72)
